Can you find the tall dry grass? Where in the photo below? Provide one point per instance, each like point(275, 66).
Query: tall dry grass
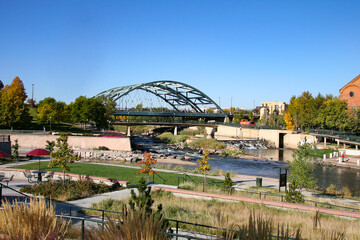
point(134, 225)
point(221, 190)
point(32, 221)
point(237, 213)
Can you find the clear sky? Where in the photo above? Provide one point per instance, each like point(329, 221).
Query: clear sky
point(245, 50)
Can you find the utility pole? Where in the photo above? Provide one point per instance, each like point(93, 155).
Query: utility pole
point(32, 95)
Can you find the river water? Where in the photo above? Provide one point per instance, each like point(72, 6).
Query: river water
point(266, 166)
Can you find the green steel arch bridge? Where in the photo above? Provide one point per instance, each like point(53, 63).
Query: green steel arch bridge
point(186, 102)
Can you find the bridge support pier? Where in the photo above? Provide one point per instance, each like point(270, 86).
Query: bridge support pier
point(128, 131)
point(176, 131)
point(324, 141)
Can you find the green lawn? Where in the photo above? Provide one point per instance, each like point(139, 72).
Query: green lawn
point(120, 173)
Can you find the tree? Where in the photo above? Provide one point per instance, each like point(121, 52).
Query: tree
point(63, 155)
point(96, 110)
point(204, 166)
point(335, 115)
point(50, 146)
point(302, 109)
point(142, 201)
point(14, 112)
point(146, 166)
point(56, 110)
point(301, 170)
point(15, 151)
point(289, 122)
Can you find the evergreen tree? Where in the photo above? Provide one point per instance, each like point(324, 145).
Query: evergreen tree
point(143, 201)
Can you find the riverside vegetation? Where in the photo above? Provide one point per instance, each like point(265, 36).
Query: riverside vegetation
point(235, 216)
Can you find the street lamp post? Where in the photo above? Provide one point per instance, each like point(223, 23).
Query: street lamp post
point(50, 124)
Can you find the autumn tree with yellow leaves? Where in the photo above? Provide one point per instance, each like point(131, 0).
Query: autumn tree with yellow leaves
point(204, 166)
point(289, 122)
point(14, 112)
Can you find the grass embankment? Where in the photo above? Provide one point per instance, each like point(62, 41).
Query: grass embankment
point(265, 193)
point(312, 225)
point(114, 172)
point(320, 152)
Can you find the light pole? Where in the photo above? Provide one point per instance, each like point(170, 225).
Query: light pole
point(50, 124)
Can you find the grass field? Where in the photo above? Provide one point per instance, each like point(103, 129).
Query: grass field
point(115, 172)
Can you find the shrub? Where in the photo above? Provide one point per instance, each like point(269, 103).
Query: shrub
point(69, 190)
point(331, 190)
point(166, 137)
point(170, 138)
point(346, 192)
point(34, 221)
point(207, 143)
point(102, 148)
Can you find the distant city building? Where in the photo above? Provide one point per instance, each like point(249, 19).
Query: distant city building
point(275, 107)
point(351, 92)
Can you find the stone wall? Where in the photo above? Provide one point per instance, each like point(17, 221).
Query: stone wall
point(76, 142)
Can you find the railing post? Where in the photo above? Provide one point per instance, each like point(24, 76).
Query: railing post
point(103, 215)
point(177, 229)
point(82, 229)
point(1, 194)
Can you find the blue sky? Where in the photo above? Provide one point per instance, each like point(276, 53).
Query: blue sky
point(245, 50)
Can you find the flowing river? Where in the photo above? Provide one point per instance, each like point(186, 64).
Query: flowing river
point(266, 166)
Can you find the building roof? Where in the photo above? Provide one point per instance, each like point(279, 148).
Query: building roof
point(352, 81)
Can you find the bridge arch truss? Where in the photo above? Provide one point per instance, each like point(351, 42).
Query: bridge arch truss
point(176, 94)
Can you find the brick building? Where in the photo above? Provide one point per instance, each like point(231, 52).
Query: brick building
point(351, 92)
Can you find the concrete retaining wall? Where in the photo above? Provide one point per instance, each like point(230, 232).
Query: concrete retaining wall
point(292, 140)
point(76, 142)
point(272, 136)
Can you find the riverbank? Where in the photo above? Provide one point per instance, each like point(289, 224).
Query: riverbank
point(348, 162)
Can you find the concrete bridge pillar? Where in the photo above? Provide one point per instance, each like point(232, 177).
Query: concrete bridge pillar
point(128, 131)
point(324, 141)
point(176, 131)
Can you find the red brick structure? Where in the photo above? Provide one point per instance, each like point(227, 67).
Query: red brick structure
point(351, 93)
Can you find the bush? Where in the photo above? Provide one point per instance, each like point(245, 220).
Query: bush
point(331, 190)
point(69, 190)
point(170, 138)
point(346, 192)
point(102, 148)
point(207, 143)
point(166, 137)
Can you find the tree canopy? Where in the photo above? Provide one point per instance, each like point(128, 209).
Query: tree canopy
point(14, 112)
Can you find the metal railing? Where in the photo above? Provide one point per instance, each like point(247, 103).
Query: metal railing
point(164, 180)
point(262, 195)
point(101, 220)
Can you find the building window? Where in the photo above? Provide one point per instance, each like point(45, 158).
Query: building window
point(351, 94)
